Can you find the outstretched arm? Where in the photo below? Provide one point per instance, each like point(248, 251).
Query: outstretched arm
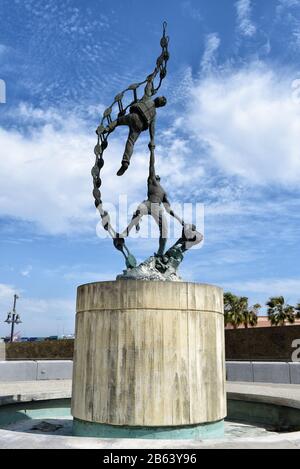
point(152, 166)
point(149, 88)
point(168, 209)
point(152, 132)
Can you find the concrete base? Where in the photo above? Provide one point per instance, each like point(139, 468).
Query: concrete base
point(149, 360)
point(192, 432)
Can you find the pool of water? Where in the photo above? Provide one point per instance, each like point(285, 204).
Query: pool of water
point(54, 418)
point(63, 427)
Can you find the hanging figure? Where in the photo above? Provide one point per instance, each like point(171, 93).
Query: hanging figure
point(155, 204)
point(141, 117)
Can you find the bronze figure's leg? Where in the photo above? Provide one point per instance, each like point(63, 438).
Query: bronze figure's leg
point(135, 128)
point(156, 211)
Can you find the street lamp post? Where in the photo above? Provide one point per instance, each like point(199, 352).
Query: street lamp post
point(13, 318)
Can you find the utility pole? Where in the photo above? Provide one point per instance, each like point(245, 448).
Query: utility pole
point(13, 318)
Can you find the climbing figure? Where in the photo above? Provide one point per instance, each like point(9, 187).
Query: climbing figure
point(155, 204)
point(141, 117)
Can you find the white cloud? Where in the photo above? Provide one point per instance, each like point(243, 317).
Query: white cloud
point(191, 11)
point(212, 44)
point(250, 123)
point(45, 174)
point(26, 271)
point(245, 25)
point(271, 287)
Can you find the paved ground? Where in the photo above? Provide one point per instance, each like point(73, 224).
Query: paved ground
point(40, 390)
point(24, 391)
point(30, 387)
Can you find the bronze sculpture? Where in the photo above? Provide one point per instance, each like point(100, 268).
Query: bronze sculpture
point(157, 197)
point(142, 116)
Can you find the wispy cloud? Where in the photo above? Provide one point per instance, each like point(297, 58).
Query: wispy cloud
point(190, 10)
point(26, 271)
point(212, 44)
point(268, 286)
point(288, 13)
point(246, 26)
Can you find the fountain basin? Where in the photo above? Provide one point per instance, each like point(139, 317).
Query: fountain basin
point(259, 416)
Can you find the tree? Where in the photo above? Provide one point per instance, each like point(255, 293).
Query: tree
point(298, 311)
point(279, 312)
point(235, 309)
point(251, 316)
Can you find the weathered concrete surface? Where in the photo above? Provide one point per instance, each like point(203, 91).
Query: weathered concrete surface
point(149, 354)
point(295, 373)
point(263, 372)
point(277, 393)
point(280, 394)
point(13, 440)
point(271, 373)
point(35, 370)
point(235, 371)
point(274, 406)
point(18, 371)
point(239, 371)
point(54, 369)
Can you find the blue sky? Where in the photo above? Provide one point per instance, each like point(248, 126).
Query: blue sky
point(229, 139)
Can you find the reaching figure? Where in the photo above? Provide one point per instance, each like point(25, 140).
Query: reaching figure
point(155, 204)
point(141, 117)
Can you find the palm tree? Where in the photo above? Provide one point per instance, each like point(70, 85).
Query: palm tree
point(279, 312)
point(235, 309)
point(251, 316)
point(298, 311)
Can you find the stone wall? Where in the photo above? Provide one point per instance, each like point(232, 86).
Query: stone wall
point(46, 350)
point(265, 344)
point(259, 344)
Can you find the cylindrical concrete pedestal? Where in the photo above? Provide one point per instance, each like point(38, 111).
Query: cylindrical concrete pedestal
point(149, 360)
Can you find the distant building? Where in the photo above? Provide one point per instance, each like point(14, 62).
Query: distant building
point(264, 322)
